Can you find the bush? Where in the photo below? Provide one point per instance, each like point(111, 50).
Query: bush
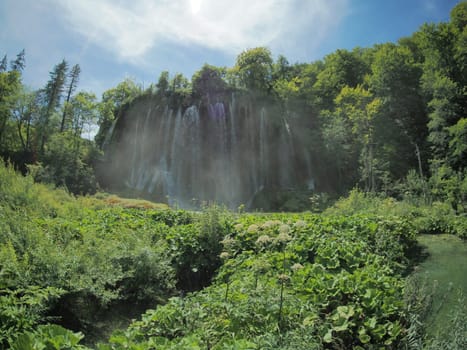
point(292, 281)
point(49, 337)
point(22, 309)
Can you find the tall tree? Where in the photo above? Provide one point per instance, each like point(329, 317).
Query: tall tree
point(52, 94)
point(73, 83)
point(395, 80)
point(342, 151)
point(163, 84)
point(84, 111)
point(361, 108)
point(19, 63)
point(10, 83)
point(26, 111)
point(181, 92)
point(4, 64)
point(444, 79)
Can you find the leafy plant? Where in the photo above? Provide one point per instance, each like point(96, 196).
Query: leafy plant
point(49, 337)
point(21, 310)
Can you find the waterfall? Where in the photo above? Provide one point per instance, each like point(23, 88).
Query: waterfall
point(144, 172)
point(263, 149)
point(108, 135)
point(185, 155)
point(193, 151)
point(223, 151)
point(160, 173)
point(134, 165)
point(286, 154)
point(234, 163)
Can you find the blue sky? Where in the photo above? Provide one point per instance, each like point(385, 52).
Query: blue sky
point(115, 39)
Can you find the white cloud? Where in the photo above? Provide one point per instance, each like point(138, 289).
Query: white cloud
point(131, 28)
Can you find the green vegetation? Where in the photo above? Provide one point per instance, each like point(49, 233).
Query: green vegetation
point(212, 279)
point(372, 118)
point(447, 261)
point(387, 129)
point(74, 260)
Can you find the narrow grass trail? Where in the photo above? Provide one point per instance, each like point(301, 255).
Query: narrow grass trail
point(446, 269)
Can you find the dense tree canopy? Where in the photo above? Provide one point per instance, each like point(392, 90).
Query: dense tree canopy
point(369, 116)
point(254, 69)
point(209, 81)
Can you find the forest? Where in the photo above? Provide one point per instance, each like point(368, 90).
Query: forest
point(89, 258)
point(390, 118)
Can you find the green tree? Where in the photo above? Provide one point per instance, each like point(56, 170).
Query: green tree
point(73, 83)
point(26, 113)
point(112, 104)
point(84, 111)
point(308, 75)
point(361, 109)
point(19, 63)
point(341, 68)
point(459, 16)
point(443, 81)
point(163, 84)
point(286, 89)
point(52, 94)
point(12, 144)
point(4, 64)
point(208, 81)
point(458, 144)
point(67, 162)
point(254, 69)
point(286, 81)
point(281, 69)
point(124, 93)
point(395, 80)
point(342, 151)
point(10, 84)
point(180, 91)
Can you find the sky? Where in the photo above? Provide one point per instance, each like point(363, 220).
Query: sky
point(116, 39)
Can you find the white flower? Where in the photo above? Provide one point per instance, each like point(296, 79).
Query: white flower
point(300, 224)
point(253, 228)
point(238, 227)
point(267, 225)
point(284, 228)
point(270, 224)
point(224, 255)
point(297, 266)
point(283, 278)
point(263, 240)
point(283, 237)
point(261, 266)
point(228, 242)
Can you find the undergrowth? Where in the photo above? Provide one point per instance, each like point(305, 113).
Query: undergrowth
point(212, 279)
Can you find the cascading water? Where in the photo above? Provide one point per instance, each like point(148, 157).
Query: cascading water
point(225, 152)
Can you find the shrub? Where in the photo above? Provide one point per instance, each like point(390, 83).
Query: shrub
point(22, 309)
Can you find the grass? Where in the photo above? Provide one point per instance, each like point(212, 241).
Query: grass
point(445, 268)
point(114, 200)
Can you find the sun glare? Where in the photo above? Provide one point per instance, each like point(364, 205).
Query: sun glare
point(195, 6)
